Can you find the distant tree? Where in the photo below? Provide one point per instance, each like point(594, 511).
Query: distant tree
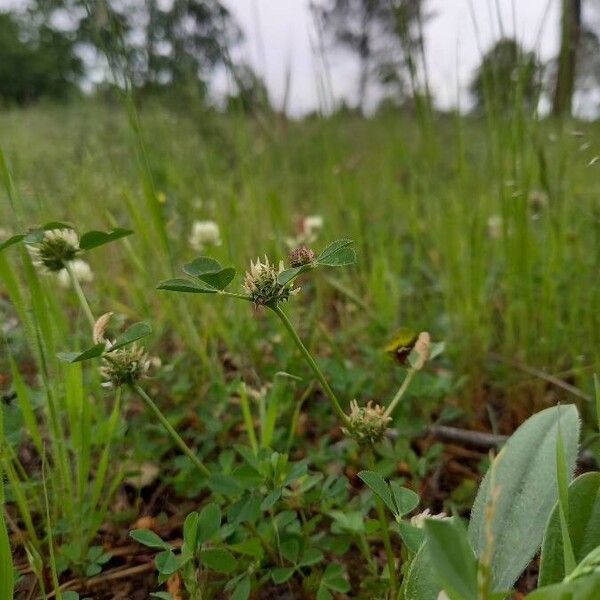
point(505, 71)
point(570, 37)
point(577, 66)
point(36, 62)
point(252, 95)
point(588, 60)
point(385, 35)
point(154, 44)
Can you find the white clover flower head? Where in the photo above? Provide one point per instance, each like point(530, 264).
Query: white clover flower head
point(261, 285)
point(418, 521)
point(367, 423)
point(307, 232)
point(82, 271)
point(55, 249)
point(312, 224)
point(204, 233)
point(494, 225)
point(124, 366)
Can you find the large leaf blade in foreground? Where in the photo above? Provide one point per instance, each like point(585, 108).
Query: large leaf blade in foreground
point(526, 484)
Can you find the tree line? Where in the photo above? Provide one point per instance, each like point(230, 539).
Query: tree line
point(54, 48)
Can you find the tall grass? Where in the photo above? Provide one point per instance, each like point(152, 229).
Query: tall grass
point(494, 246)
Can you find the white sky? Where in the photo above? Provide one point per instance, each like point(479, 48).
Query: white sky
point(285, 30)
point(280, 34)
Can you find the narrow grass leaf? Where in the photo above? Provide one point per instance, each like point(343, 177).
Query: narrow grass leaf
point(7, 580)
point(248, 421)
point(583, 525)
point(597, 396)
point(562, 475)
point(26, 406)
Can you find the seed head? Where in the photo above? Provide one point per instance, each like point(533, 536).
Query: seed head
point(422, 350)
point(204, 233)
point(124, 366)
point(367, 423)
point(57, 247)
point(80, 269)
point(100, 329)
point(260, 283)
point(301, 256)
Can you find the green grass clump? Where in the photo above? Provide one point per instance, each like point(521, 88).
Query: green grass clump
point(485, 233)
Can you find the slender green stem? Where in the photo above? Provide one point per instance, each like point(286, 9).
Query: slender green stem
point(247, 414)
point(364, 548)
point(296, 416)
point(311, 363)
point(59, 446)
point(390, 409)
point(80, 295)
point(385, 532)
point(50, 533)
point(387, 543)
point(171, 431)
point(234, 295)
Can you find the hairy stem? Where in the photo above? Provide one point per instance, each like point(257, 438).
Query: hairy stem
point(364, 547)
point(390, 409)
point(171, 431)
point(80, 295)
point(311, 363)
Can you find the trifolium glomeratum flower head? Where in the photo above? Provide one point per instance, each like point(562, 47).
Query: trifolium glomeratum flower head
point(301, 256)
point(261, 285)
point(122, 366)
point(57, 248)
point(367, 423)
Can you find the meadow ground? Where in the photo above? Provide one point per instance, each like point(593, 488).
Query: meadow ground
point(484, 232)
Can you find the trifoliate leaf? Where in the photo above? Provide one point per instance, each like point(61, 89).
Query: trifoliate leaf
point(185, 285)
point(94, 239)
